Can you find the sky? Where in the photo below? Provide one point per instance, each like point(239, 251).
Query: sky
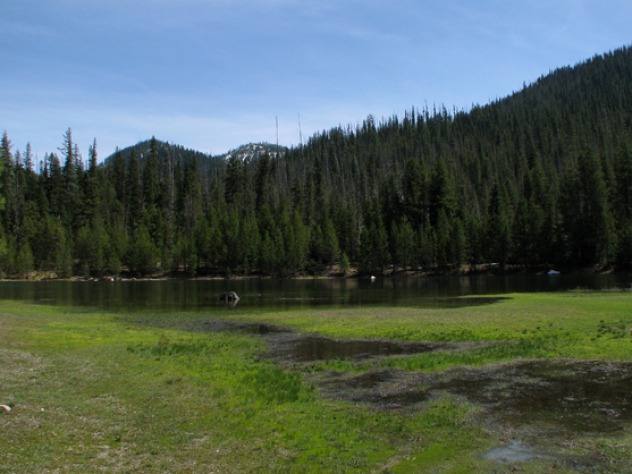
point(212, 75)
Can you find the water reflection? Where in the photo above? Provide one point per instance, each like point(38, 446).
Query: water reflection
point(172, 295)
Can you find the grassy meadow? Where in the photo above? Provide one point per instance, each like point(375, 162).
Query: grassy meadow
point(101, 392)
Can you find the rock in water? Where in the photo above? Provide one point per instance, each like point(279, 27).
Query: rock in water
point(230, 296)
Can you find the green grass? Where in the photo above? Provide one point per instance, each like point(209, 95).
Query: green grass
point(577, 324)
point(95, 392)
point(92, 394)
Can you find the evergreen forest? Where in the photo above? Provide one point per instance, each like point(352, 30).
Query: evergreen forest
point(538, 179)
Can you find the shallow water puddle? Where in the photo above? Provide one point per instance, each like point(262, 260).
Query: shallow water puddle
point(289, 346)
point(515, 451)
point(316, 348)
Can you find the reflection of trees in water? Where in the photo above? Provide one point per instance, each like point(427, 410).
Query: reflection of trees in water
point(271, 293)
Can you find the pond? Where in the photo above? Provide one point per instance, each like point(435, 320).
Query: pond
point(266, 294)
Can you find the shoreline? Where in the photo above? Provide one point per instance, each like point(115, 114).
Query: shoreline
point(334, 274)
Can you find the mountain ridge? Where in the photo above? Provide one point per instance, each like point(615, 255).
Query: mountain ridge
point(252, 150)
point(247, 151)
point(540, 178)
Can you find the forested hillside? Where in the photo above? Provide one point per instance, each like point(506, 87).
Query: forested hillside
point(543, 177)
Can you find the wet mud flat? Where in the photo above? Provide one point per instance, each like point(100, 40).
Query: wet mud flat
point(542, 406)
point(567, 394)
point(286, 345)
point(563, 395)
point(578, 396)
point(304, 348)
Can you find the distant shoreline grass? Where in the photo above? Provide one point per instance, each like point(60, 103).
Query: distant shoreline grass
point(95, 391)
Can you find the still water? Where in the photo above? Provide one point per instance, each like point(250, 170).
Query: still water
point(177, 295)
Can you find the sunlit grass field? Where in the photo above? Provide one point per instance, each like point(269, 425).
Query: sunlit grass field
point(99, 392)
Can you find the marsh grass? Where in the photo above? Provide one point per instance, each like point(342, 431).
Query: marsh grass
point(97, 392)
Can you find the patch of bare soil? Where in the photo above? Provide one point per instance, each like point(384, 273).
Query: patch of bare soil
point(384, 389)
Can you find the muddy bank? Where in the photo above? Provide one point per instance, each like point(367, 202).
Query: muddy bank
point(576, 396)
point(286, 345)
point(297, 348)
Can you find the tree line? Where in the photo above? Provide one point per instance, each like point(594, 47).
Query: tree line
point(543, 177)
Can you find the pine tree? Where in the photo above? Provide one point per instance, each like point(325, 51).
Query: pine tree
point(8, 197)
point(623, 202)
point(251, 241)
point(588, 222)
point(442, 195)
point(24, 263)
point(230, 230)
point(498, 229)
point(142, 256)
point(623, 205)
point(415, 192)
point(134, 195)
point(71, 198)
point(91, 204)
point(5, 153)
point(325, 248)
point(117, 175)
point(115, 251)
point(262, 181)
point(234, 180)
point(374, 245)
point(189, 206)
point(403, 244)
point(150, 176)
point(270, 249)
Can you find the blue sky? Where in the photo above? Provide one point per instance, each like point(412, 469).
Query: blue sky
point(214, 74)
